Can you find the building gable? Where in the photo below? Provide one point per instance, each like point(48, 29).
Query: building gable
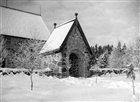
point(76, 37)
point(60, 34)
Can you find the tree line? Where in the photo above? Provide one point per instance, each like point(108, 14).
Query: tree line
point(119, 56)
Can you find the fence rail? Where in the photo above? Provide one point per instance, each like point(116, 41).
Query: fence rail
point(114, 69)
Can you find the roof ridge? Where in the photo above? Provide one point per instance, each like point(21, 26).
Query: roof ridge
point(65, 23)
point(20, 10)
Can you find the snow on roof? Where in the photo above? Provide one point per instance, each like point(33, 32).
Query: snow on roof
point(22, 24)
point(57, 37)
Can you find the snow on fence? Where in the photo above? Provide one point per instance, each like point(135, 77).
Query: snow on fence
point(113, 69)
point(6, 71)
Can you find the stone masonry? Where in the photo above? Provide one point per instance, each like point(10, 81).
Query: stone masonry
point(75, 46)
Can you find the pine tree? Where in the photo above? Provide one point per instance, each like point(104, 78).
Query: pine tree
point(124, 48)
point(100, 50)
point(137, 52)
point(115, 59)
point(103, 60)
point(96, 51)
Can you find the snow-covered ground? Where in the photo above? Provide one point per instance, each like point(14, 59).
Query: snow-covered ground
point(16, 88)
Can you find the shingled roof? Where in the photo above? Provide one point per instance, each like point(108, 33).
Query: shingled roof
point(24, 24)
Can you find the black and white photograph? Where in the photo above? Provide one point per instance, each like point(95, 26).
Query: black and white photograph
point(69, 51)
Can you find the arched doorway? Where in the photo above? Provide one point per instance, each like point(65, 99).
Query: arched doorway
point(74, 61)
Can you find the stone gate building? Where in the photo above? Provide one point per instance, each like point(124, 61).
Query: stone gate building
point(67, 50)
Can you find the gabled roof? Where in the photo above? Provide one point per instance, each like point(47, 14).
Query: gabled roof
point(60, 35)
point(57, 37)
point(24, 24)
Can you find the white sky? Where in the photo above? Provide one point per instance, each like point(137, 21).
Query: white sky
point(103, 21)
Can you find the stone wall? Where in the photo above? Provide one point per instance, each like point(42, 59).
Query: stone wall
point(12, 45)
point(54, 62)
point(76, 43)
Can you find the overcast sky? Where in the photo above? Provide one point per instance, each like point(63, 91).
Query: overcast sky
point(103, 21)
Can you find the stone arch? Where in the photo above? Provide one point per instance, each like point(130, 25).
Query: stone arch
point(76, 59)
